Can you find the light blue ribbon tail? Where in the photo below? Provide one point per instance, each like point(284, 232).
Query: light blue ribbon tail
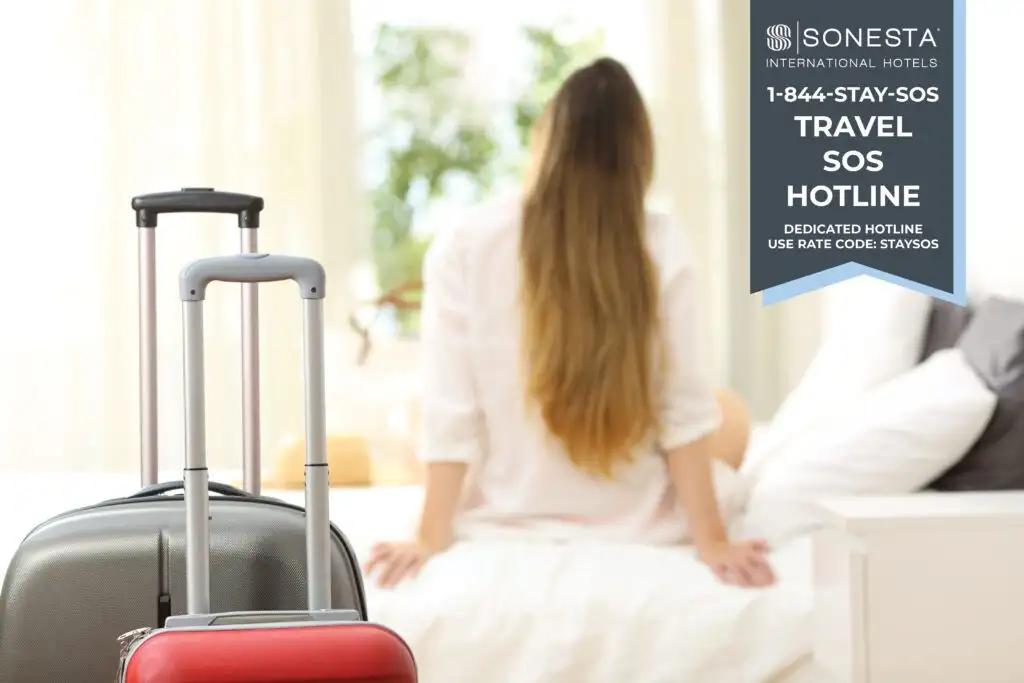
point(810, 283)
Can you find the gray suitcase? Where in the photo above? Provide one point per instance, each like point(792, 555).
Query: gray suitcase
point(83, 578)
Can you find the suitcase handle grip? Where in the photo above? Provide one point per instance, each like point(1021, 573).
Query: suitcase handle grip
point(179, 485)
point(251, 268)
point(148, 207)
point(308, 273)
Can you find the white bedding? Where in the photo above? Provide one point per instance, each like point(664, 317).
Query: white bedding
point(532, 613)
point(526, 613)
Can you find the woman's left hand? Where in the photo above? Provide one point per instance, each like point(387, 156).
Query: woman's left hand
point(395, 562)
point(743, 563)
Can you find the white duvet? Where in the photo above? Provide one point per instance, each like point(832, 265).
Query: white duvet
point(528, 612)
point(525, 612)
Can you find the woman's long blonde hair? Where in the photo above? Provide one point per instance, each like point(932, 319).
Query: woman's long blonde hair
point(589, 287)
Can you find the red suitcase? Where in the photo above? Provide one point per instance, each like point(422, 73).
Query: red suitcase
point(319, 645)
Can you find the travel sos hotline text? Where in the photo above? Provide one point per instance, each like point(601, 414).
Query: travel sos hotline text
point(892, 236)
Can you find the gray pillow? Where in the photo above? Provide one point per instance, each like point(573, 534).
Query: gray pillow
point(993, 343)
point(946, 323)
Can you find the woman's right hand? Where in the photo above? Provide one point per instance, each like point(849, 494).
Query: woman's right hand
point(742, 563)
point(396, 562)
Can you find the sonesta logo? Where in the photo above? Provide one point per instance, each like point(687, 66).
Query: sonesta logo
point(778, 37)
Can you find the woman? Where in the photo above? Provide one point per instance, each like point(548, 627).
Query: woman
point(565, 397)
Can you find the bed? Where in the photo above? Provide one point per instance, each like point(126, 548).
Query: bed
point(599, 614)
point(587, 614)
point(530, 613)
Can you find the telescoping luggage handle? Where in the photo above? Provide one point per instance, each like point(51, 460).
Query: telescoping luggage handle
point(253, 268)
point(148, 208)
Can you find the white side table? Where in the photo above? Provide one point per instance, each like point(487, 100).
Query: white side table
point(923, 588)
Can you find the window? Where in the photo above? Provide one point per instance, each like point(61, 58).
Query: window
point(448, 94)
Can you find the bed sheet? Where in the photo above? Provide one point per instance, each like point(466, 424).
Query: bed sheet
point(543, 613)
point(804, 670)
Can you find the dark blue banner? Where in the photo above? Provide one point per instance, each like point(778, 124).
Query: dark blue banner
point(857, 145)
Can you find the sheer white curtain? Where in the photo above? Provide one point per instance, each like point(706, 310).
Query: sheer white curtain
point(104, 99)
point(687, 107)
point(700, 103)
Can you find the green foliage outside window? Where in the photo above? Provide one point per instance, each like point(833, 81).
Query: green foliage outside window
point(553, 61)
point(433, 137)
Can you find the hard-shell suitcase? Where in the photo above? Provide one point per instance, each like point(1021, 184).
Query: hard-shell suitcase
point(316, 645)
point(81, 579)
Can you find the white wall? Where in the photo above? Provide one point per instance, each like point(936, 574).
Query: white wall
point(995, 146)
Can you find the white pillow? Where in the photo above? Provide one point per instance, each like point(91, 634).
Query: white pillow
point(873, 331)
point(895, 438)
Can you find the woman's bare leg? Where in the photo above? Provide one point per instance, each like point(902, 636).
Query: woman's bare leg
point(730, 441)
